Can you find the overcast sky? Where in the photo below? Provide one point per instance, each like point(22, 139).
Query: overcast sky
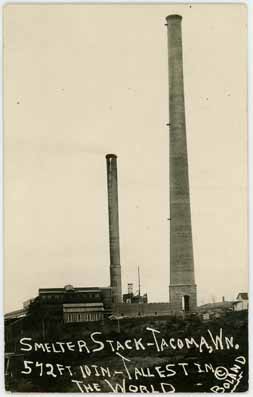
point(81, 81)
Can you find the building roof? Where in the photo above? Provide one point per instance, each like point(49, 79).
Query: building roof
point(216, 305)
point(15, 314)
point(242, 295)
point(68, 288)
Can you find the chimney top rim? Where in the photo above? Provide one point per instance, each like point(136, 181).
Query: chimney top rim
point(174, 16)
point(110, 155)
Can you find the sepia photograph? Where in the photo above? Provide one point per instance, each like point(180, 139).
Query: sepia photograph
point(125, 198)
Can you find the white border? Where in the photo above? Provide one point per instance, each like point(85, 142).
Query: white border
point(249, 3)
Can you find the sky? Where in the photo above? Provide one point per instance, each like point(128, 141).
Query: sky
point(81, 81)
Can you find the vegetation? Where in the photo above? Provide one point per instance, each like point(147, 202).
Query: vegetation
point(233, 324)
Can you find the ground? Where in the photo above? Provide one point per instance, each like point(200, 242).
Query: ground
point(137, 355)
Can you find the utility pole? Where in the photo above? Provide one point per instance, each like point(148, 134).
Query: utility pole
point(139, 281)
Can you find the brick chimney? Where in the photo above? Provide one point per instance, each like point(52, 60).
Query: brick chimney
point(183, 294)
point(113, 211)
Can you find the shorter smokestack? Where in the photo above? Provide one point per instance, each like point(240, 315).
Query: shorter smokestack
point(115, 268)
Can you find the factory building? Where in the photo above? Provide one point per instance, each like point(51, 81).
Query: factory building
point(81, 312)
point(132, 297)
point(73, 304)
point(76, 304)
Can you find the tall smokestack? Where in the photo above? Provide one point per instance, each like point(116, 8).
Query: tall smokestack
point(183, 294)
point(112, 188)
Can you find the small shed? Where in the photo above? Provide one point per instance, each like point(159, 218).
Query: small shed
point(242, 302)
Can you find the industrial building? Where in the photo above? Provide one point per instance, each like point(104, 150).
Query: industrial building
point(93, 304)
point(132, 297)
point(75, 304)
